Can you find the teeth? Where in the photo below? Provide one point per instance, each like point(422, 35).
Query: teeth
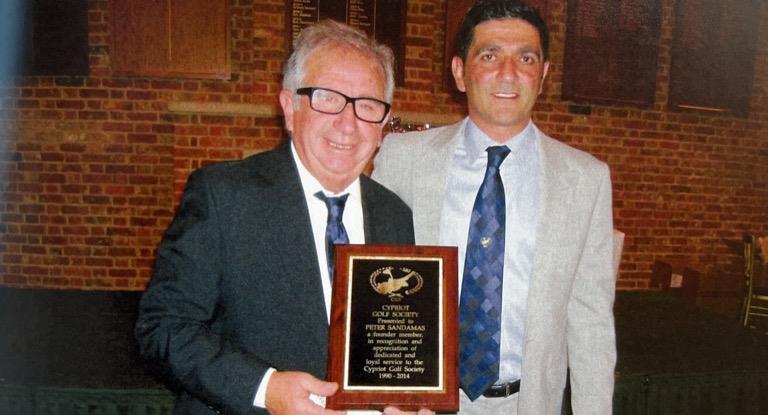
point(501, 95)
point(339, 146)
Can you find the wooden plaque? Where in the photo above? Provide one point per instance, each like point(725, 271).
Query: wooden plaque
point(714, 45)
point(611, 63)
point(55, 35)
point(393, 337)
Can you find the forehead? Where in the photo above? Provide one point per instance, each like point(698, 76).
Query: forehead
point(501, 33)
point(345, 69)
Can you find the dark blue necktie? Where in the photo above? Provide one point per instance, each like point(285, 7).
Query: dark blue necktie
point(334, 229)
point(480, 303)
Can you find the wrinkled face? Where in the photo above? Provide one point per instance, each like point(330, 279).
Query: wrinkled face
point(502, 76)
point(335, 147)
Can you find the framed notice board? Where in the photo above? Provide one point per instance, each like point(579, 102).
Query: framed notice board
point(713, 55)
point(382, 19)
point(611, 49)
point(55, 36)
point(169, 38)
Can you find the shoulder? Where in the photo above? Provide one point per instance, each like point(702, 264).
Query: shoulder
point(400, 151)
point(258, 168)
point(377, 193)
point(387, 217)
point(556, 150)
point(417, 140)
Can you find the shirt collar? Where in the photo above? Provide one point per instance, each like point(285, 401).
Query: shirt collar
point(311, 185)
point(476, 141)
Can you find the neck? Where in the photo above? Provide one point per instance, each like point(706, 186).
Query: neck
point(501, 134)
point(336, 186)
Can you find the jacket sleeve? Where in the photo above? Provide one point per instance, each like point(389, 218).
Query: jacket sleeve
point(591, 335)
point(177, 325)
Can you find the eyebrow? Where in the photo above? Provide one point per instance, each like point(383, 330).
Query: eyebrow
point(489, 48)
point(528, 49)
point(524, 49)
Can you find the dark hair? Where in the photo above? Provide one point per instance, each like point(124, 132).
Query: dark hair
point(484, 10)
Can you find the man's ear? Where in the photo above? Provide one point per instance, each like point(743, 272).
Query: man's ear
point(382, 125)
point(457, 67)
point(286, 103)
point(544, 75)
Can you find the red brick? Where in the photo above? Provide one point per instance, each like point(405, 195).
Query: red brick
point(142, 138)
point(141, 95)
point(100, 157)
point(94, 93)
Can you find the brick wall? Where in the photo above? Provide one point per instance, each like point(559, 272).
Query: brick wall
point(92, 167)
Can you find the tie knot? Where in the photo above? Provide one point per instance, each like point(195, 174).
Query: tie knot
point(496, 155)
point(335, 204)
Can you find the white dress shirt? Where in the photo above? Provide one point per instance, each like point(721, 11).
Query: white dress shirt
point(520, 172)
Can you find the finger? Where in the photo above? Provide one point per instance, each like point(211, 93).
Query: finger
point(321, 388)
point(391, 410)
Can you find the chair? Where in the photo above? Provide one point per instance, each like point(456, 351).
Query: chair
point(756, 293)
point(685, 286)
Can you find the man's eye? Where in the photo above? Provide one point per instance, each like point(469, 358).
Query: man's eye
point(365, 105)
point(487, 57)
point(326, 97)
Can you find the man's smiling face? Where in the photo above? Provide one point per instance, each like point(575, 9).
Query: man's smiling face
point(335, 148)
point(502, 76)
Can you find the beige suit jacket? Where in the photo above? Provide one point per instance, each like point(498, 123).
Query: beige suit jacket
point(570, 304)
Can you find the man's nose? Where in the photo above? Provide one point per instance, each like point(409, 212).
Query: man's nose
point(508, 69)
point(346, 119)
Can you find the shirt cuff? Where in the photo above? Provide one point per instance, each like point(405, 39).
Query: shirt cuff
point(261, 396)
point(261, 393)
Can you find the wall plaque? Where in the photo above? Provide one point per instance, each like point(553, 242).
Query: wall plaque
point(55, 35)
point(611, 49)
point(382, 19)
point(714, 45)
point(393, 332)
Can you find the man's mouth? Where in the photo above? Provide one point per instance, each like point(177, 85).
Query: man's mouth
point(505, 95)
point(339, 146)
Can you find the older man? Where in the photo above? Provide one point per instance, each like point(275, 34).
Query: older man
point(237, 309)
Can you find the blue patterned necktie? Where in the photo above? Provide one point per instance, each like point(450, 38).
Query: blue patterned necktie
point(480, 303)
point(334, 229)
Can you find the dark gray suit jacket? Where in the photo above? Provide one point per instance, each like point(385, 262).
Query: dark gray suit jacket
point(236, 287)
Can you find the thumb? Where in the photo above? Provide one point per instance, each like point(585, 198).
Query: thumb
point(321, 388)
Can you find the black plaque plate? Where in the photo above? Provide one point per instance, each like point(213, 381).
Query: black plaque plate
point(393, 328)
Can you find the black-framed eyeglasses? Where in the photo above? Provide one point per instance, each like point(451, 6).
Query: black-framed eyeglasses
point(329, 101)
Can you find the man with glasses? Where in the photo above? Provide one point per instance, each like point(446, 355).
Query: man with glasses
point(239, 303)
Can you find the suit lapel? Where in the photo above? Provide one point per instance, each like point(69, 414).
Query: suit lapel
point(558, 185)
point(371, 225)
point(375, 227)
point(291, 231)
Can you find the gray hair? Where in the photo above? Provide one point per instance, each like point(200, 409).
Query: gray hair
point(332, 33)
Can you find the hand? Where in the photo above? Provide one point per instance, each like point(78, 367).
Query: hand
point(288, 394)
point(391, 410)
